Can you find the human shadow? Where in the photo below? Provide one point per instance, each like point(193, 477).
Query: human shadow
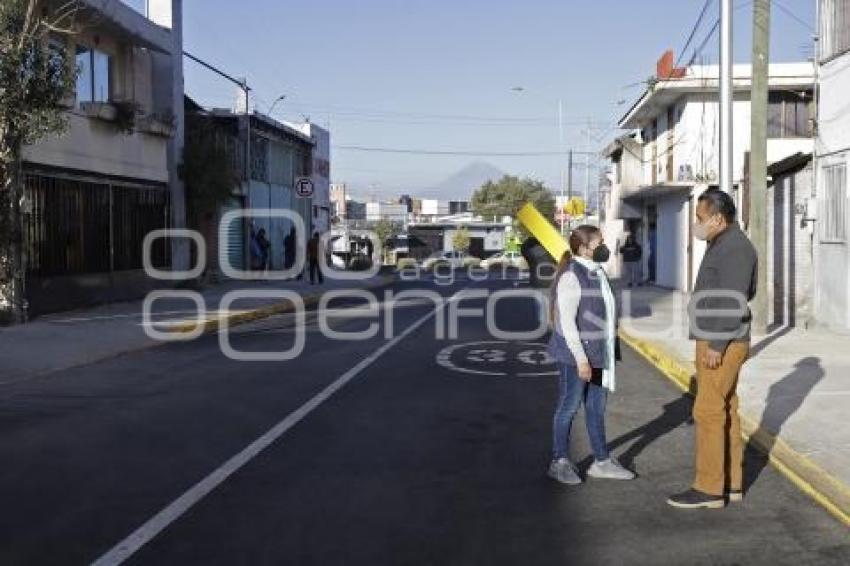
point(675, 414)
point(784, 398)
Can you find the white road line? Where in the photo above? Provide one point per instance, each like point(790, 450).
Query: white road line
point(159, 522)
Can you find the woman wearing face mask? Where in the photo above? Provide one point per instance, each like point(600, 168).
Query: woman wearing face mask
point(584, 345)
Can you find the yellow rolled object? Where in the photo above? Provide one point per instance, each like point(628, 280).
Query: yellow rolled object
point(542, 229)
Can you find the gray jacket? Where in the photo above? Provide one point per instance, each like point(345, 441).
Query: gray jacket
point(726, 282)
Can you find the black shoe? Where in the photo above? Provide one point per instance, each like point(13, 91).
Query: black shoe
point(694, 499)
point(735, 495)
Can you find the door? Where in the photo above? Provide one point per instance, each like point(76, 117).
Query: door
point(652, 233)
point(236, 242)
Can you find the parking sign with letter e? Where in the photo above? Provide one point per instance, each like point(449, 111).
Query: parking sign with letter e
point(304, 187)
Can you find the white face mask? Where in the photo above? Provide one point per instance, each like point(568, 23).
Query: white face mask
point(702, 230)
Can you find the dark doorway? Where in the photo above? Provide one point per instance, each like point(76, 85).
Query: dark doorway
point(652, 233)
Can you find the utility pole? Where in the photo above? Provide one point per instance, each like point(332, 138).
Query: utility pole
point(570, 180)
point(587, 169)
point(561, 160)
point(726, 173)
point(758, 157)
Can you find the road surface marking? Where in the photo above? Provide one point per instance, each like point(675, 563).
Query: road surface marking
point(159, 522)
point(489, 357)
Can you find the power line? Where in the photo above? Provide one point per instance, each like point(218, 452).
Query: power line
point(468, 153)
point(793, 16)
point(693, 33)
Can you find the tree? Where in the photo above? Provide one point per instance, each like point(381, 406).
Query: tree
point(506, 196)
point(36, 76)
point(386, 230)
point(207, 168)
point(461, 240)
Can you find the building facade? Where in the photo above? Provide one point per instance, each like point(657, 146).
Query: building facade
point(832, 158)
point(673, 153)
point(94, 192)
point(267, 171)
point(322, 211)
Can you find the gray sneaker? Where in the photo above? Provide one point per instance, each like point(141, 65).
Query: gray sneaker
point(610, 469)
point(563, 471)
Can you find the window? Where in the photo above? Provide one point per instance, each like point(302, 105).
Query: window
point(259, 158)
point(788, 115)
point(835, 28)
point(834, 211)
point(94, 78)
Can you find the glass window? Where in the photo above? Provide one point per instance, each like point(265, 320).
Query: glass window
point(85, 72)
point(94, 78)
point(101, 64)
point(834, 211)
point(788, 115)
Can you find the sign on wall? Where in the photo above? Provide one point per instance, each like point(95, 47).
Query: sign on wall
point(304, 187)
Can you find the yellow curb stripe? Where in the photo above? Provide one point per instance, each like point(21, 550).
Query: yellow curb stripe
point(800, 470)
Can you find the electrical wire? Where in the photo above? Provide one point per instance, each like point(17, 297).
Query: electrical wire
point(468, 153)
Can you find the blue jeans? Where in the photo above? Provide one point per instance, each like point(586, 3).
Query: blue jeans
point(572, 390)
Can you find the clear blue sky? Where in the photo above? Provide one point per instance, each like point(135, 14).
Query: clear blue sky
point(385, 73)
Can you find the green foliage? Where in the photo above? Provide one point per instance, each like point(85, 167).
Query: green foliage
point(461, 240)
point(506, 196)
point(386, 230)
point(36, 76)
point(126, 112)
point(206, 169)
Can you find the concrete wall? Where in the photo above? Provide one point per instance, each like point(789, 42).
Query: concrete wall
point(320, 175)
point(832, 259)
point(97, 146)
point(672, 234)
point(789, 265)
point(271, 196)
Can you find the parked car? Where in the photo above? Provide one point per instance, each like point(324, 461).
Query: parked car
point(451, 259)
point(505, 259)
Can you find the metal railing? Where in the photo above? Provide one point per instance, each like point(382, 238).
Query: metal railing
point(77, 226)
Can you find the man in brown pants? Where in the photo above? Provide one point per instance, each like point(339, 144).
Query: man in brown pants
point(720, 323)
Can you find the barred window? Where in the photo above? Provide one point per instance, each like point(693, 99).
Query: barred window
point(834, 211)
point(834, 28)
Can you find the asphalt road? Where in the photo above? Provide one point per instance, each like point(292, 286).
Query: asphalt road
point(407, 450)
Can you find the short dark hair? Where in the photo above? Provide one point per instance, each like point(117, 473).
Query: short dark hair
point(720, 202)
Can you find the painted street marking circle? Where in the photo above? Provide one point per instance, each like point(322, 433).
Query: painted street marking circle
point(498, 358)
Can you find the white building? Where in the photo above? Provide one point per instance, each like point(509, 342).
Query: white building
point(433, 207)
point(673, 157)
point(393, 212)
point(832, 153)
point(321, 175)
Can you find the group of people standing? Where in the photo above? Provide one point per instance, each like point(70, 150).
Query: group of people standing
point(261, 253)
point(584, 318)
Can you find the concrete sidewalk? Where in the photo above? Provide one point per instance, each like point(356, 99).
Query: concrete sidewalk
point(794, 390)
point(70, 339)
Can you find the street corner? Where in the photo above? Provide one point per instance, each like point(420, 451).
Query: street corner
point(496, 358)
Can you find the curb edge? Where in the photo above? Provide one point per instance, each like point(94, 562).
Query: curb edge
point(805, 474)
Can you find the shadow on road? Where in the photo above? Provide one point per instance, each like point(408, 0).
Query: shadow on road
point(675, 414)
point(784, 398)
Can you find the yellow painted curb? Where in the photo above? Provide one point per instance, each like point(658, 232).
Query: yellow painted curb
point(243, 317)
point(829, 492)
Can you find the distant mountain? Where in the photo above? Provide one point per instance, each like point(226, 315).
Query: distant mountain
point(461, 185)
